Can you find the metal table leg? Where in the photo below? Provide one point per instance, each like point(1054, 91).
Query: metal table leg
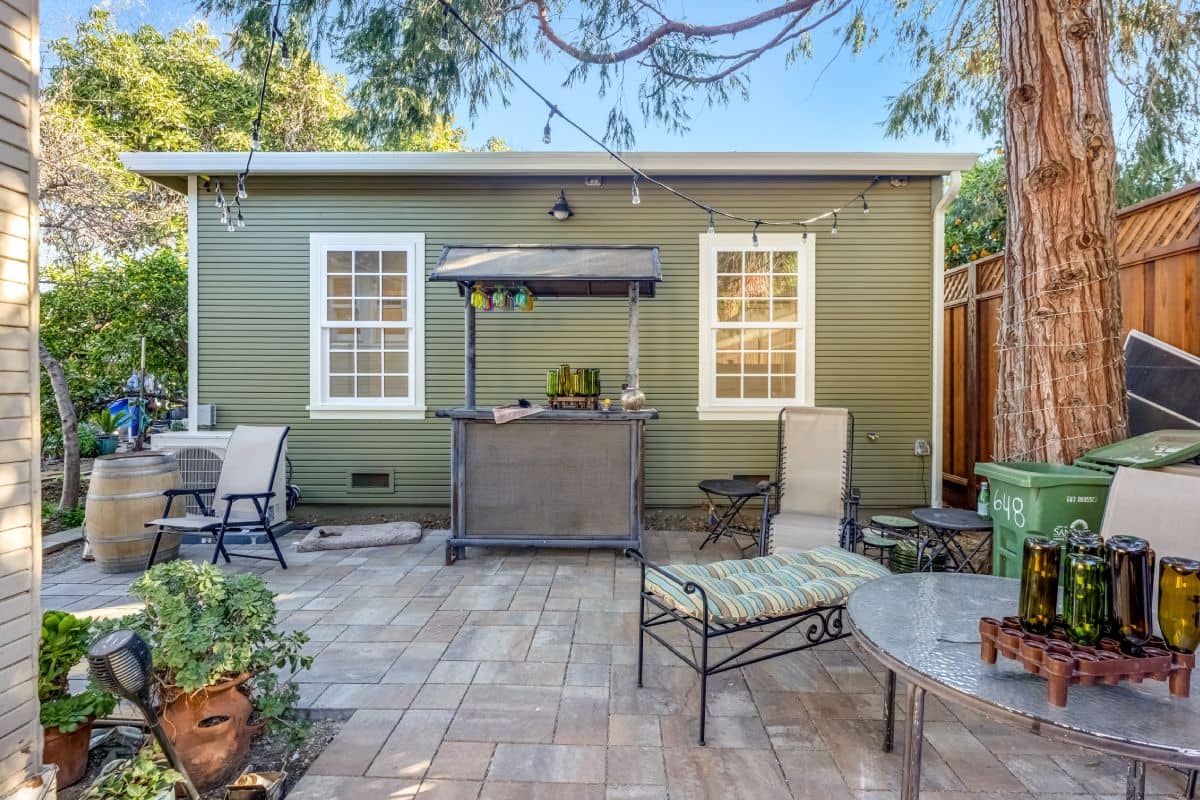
point(910, 786)
point(889, 712)
point(1135, 781)
point(723, 521)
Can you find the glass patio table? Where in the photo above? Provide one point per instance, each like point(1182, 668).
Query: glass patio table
point(925, 628)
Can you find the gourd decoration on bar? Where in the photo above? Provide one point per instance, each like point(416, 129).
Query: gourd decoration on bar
point(1131, 575)
point(1084, 598)
point(1179, 603)
point(1039, 584)
point(500, 298)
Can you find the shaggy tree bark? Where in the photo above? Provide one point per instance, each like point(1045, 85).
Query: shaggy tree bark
point(70, 423)
point(1061, 384)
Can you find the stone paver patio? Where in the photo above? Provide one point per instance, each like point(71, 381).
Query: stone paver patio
point(512, 675)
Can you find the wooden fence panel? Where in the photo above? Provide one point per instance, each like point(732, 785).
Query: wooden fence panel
point(1158, 254)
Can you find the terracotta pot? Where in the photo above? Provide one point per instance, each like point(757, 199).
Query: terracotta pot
point(211, 732)
point(69, 752)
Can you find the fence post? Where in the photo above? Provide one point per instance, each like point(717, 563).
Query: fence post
point(973, 383)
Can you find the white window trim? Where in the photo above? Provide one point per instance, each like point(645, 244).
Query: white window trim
point(318, 406)
point(709, 407)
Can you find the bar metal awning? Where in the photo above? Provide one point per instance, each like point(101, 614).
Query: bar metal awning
point(554, 270)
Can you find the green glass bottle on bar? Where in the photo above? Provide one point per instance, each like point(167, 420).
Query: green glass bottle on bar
point(1179, 603)
point(1084, 604)
point(1039, 584)
point(1131, 578)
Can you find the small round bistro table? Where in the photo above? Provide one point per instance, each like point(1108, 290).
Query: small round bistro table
point(726, 500)
point(924, 627)
point(945, 525)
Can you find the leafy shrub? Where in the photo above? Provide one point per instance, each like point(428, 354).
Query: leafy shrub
point(52, 445)
point(89, 444)
point(65, 640)
point(70, 518)
point(137, 778)
point(204, 626)
point(107, 422)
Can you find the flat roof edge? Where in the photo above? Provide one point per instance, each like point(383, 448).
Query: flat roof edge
point(157, 165)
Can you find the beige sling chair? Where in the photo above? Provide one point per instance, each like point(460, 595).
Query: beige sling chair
point(241, 498)
point(816, 504)
point(1161, 506)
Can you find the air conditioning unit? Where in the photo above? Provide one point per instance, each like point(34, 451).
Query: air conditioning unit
point(200, 456)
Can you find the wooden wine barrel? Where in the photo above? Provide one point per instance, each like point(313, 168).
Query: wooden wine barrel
point(126, 491)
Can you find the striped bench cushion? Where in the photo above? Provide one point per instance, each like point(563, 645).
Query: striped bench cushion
point(771, 586)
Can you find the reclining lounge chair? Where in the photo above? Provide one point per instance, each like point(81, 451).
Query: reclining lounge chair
point(804, 583)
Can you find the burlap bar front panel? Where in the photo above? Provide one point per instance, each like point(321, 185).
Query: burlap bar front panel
point(549, 479)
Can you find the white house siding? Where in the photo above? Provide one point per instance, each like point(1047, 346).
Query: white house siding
point(20, 534)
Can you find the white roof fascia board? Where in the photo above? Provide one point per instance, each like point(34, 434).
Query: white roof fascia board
point(160, 165)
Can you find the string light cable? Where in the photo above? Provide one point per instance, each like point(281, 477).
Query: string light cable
point(860, 198)
point(231, 213)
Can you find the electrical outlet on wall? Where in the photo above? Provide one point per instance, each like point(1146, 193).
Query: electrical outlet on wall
point(921, 447)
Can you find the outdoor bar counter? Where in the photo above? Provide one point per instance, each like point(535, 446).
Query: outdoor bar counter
point(558, 477)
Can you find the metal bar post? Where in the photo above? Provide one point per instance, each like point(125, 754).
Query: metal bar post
point(468, 349)
point(1135, 781)
point(634, 333)
point(910, 787)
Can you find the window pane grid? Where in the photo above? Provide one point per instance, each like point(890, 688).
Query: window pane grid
point(366, 326)
point(757, 324)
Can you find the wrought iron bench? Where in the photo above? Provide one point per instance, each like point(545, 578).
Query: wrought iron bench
point(771, 594)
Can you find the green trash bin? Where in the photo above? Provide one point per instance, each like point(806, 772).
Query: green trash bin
point(1039, 499)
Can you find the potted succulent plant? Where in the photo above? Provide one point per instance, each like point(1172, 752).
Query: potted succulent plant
point(217, 658)
point(108, 424)
point(137, 778)
point(67, 718)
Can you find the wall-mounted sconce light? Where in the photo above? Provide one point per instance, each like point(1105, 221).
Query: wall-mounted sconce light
point(562, 209)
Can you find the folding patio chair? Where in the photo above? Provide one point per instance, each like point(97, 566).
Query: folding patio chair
point(814, 497)
point(241, 498)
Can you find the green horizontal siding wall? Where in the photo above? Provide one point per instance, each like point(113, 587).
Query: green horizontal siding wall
point(873, 322)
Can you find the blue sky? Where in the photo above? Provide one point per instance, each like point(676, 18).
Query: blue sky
point(807, 106)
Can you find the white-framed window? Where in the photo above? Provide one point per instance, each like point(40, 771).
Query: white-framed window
point(367, 325)
point(757, 304)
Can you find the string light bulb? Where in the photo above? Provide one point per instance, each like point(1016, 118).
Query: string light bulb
point(546, 130)
point(241, 221)
point(218, 197)
point(230, 225)
point(285, 56)
point(241, 186)
point(473, 35)
point(754, 234)
point(255, 137)
point(712, 225)
point(224, 214)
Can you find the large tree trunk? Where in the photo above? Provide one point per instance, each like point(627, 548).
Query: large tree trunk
point(1061, 388)
point(70, 424)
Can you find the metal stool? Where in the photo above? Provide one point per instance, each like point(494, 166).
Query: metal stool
point(726, 499)
point(884, 531)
